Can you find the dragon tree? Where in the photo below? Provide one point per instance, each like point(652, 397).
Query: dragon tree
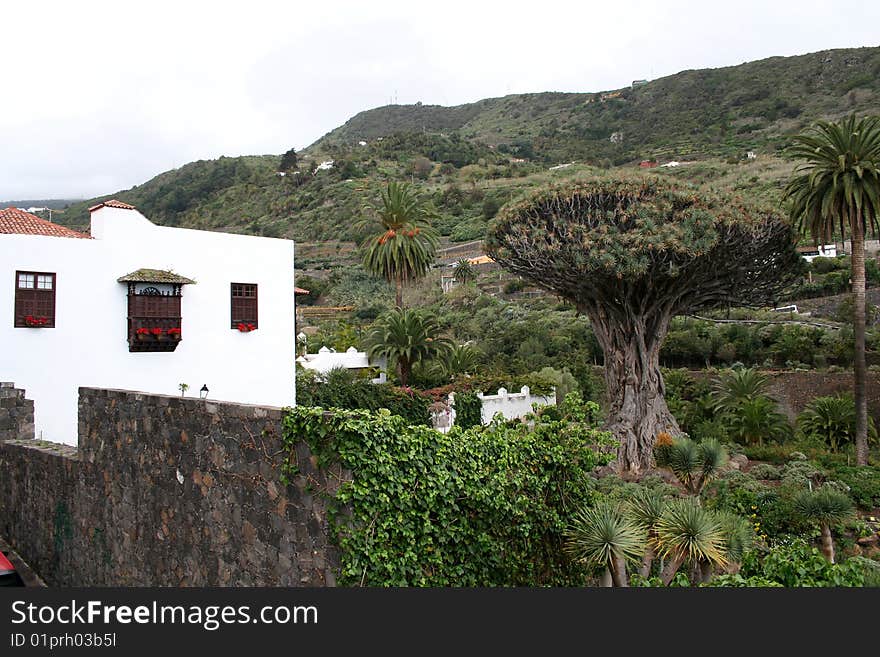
point(632, 253)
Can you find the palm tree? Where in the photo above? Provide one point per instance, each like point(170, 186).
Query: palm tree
point(754, 419)
point(464, 271)
point(833, 420)
point(826, 507)
point(688, 532)
point(733, 386)
point(459, 359)
point(603, 536)
point(406, 244)
point(838, 184)
point(406, 337)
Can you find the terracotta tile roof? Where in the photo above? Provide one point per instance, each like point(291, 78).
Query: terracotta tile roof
point(112, 203)
point(299, 290)
point(18, 222)
point(154, 276)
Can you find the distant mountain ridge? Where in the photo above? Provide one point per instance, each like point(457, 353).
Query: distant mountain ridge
point(470, 158)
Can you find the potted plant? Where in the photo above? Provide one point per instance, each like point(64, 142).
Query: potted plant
point(174, 333)
point(143, 335)
point(246, 328)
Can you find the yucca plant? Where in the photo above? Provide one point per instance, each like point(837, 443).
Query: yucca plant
point(645, 509)
point(688, 532)
point(825, 507)
point(739, 536)
point(603, 536)
point(833, 420)
point(693, 464)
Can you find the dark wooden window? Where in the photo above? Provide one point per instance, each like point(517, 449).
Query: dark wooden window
point(244, 304)
point(34, 299)
point(151, 308)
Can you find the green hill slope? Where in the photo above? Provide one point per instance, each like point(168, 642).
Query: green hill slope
point(472, 158)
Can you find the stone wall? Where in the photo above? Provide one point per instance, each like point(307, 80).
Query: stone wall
point(167, 491)
point(16, 413)
point(794, 390)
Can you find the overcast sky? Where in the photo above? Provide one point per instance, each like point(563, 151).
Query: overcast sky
point(101, 96)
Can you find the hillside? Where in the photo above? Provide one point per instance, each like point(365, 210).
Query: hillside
point(471, 159)
point(715, 111)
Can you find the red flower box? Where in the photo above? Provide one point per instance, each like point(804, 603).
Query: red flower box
point(35, 322)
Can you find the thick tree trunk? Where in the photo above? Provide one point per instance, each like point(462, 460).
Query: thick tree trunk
point(634, 386)
point(605, 580)
point(827, 543)
point(670, 568)
point(403, 371)
point(647, 562)
point(707, 571)
point(859, 368)
point(618, 572)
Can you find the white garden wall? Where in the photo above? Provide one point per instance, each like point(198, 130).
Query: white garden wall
point(512, 405)
point(88, 346)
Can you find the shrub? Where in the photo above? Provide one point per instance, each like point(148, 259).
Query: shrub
point(765, 471)
point(342, 389)
point(794, 563)
point(516, 285)
point(864, 484)
point(468, 410)
point(832, 420)
point(487, 506)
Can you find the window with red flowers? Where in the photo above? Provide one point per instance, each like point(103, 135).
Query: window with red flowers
point(34, 299)
point(244, 306)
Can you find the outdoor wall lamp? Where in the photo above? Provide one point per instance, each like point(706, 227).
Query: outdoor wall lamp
point(203, 393)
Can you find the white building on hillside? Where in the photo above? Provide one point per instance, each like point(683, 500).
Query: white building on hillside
point(351, 359)
point(142, 307)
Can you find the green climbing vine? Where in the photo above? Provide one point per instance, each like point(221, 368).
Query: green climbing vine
point(479, 507)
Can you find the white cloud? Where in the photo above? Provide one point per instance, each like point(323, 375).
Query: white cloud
point(104, 95)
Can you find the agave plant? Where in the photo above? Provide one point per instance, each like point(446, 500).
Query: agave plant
point(688, 532)
point(833, 420)
point(645, 509)
point(693, 464)
point(825, 506)
point(604, 536)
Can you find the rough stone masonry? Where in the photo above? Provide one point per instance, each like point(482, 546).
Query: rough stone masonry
point(163, 491)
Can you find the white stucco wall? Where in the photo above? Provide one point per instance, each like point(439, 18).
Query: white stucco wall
point(511, 404)
point(89, 347)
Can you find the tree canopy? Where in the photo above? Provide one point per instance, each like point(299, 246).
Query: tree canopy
point(642, 242)
point(631, 253)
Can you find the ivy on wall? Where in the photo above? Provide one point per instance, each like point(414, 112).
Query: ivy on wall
point(479, 507)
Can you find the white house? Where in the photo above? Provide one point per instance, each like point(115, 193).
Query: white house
point(351, 359)
point(142, 307)
point(810, 253)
